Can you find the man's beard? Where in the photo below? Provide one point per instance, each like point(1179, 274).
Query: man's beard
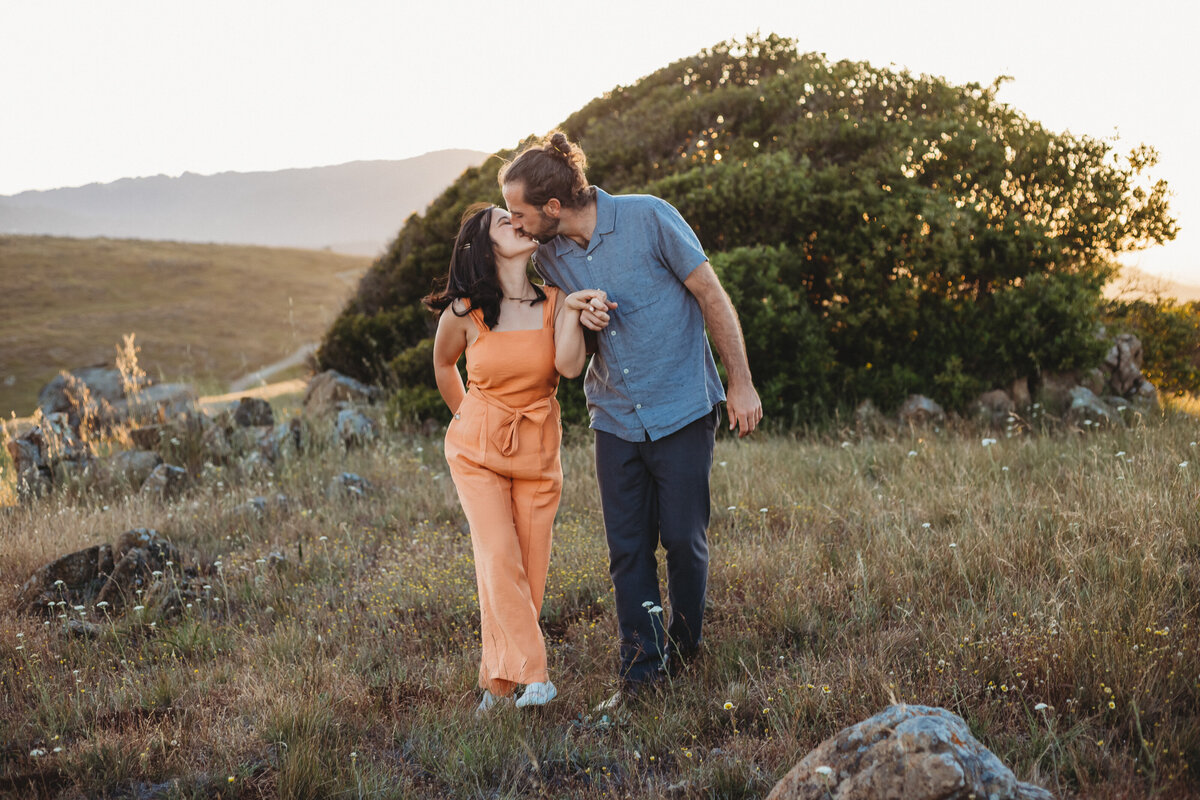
point(548, 228)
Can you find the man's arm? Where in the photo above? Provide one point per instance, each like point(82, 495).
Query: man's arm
point(742, 403)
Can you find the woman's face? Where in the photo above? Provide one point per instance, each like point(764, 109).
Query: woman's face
point(506, 241)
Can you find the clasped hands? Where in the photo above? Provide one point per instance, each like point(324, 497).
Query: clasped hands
point(593, 306)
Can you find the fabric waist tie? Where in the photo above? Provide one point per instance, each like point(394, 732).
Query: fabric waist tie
point(505, 434)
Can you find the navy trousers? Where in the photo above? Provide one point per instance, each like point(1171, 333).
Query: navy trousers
point(654, 492)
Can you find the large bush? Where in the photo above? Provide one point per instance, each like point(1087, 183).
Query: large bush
point(879, 232)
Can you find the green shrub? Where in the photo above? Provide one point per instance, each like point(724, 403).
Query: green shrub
point(879, 232)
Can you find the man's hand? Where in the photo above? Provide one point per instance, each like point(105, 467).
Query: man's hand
point(593, 306)
point(743, 407)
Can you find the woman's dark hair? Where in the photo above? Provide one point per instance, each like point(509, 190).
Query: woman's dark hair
point(554, 168)
point(473, 269)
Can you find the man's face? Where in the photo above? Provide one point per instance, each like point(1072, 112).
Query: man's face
point(526, 218)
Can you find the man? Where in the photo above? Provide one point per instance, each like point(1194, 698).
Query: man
point(652, 388)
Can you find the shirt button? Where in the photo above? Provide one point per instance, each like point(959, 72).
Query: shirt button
point(612, 333)
point(625, 371)
point(639, 405)
point(589, 258)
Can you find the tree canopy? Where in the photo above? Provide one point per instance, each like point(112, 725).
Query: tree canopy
point(879, 232)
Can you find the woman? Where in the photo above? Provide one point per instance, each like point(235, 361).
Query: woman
point(503, 443)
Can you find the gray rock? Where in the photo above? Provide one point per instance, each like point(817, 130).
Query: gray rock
point(348, 484)
point(166, 481)
point(147, 437)
point(994, 408)
point(262, 507)
point(253, 412)
point(215, 444)
point(49, 451)
point(133, 467)
point(1124, 364)
point(920, 410)
point(868, 418)
point(908, 753)
point(75, 578)
point(291, 437)
point(330, 391)
point(1055, 390)
point(1145, 397)
point(159, 402)
point(1086, 410)
point(84, 629)
point(104, 386)
point(139, 554)
point(355, 428)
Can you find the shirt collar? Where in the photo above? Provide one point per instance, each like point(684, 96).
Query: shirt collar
point(606, 221)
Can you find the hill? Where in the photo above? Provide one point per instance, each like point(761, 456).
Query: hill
point(350, 208)
point(200, 311)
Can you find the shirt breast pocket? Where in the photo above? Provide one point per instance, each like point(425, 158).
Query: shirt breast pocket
point(639, 281)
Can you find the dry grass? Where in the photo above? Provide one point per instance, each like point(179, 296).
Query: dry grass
point(1057, 569)
point(207, 313)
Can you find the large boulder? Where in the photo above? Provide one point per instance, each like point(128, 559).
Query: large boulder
point(103, 383)
point(920, 410)
point(906, 753)
point(331, 391)
point(158, 402)
point(138, 556)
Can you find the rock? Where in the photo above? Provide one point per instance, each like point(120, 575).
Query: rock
point(1145, 397)
point(909, 752)
point(920, 410)
point(1055, 390)
point(291, 437)
point(158, 402)
point(49, 451)
point(1018, 390)
point(253, 412)
point(139, 554)
point(868, 418)
point(85, 629)
point(166, 481)
point(215, 443)
point(133, 467)
point(355, 428)
point(258, 440)
point(330, 391)
point(1124, 364)
point(147, 437)
point(262, 507)
point(1086, 410)
point(104, 385)
point(75, 578)
point(348, 484)
point(994, 407)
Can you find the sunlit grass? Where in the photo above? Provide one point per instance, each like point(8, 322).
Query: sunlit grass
point(1043, 587)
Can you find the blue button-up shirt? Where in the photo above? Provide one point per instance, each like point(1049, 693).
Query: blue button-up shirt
point(653, 371)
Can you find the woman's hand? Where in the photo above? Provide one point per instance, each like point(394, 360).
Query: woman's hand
point(593, 306)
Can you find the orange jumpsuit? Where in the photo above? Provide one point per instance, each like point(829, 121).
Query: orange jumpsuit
point(503, 450)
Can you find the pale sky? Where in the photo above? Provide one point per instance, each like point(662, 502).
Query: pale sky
point(97, 90)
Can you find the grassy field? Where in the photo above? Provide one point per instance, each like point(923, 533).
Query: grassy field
point(1044, 587)
point(208, 313)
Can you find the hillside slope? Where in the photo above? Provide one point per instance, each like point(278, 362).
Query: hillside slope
point(204, 312)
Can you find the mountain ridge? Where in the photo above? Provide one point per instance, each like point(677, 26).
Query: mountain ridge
point(355, 207)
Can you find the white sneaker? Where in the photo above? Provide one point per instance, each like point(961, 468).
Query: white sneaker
point(537, 694)
point(488, 702)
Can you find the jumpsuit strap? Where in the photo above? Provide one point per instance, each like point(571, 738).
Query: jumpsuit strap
point(477, 315)
point(552, 295)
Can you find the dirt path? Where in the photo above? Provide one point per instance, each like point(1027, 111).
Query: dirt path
point(260, 377)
